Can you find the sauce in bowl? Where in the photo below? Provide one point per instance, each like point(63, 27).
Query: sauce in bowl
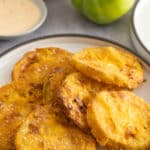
point(18, 16)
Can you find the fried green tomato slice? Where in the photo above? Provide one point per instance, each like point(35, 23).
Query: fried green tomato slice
point(110, 65)
point(35, 65)
point(43, 130)
point(120, 120)
point(17, 100)
point(53, 81)
point(74, 94)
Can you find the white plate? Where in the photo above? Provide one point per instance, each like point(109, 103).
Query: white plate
point(73, 43)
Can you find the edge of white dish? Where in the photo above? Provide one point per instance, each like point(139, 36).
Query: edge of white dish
point(137, 42)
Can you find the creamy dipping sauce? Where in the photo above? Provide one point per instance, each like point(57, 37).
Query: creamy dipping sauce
point(18, 16)
point(142, 22)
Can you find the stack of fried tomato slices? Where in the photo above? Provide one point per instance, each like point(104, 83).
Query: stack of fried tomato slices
point(63, 101)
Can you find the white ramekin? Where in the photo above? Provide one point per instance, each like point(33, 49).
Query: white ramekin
point(135, 36)
point(42, 7)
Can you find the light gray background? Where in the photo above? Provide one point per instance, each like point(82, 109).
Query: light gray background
point(64, 18)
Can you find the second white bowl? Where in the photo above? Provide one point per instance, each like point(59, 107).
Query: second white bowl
point(140, 28)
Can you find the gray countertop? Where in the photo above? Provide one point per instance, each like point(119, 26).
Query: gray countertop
point(63, 18)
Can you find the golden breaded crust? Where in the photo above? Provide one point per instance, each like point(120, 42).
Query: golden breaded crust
point(35, 65)
point(43, 130)
point(53, 82)
point(120, 120)
point(74, 94)
point(110, 65)
point(17, 99)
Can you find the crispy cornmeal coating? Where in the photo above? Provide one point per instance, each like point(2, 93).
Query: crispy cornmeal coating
point(35, 65)
point(120, 120)
point(53, 82)
point(109, 65)
point(74, 94)
point(43, 130)
point(17, 100)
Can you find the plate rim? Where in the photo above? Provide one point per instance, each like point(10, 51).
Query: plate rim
point(72, 35)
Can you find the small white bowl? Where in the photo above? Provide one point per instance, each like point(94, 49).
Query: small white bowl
point(43, 9)
point(140, 28)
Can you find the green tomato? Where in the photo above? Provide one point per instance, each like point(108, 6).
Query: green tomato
point(103, 11)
